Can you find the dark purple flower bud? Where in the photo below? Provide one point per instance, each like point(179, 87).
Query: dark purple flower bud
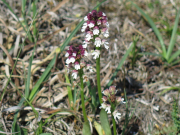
point(94, 13)
point(87, 29)
point(81, 47)
point(100, 14)
point(78, 56)
point(70, 52)
point(71, 48)
point(89, 16)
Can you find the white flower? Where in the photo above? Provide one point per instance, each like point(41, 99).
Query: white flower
point(96, 31)
point(74, 54)
point(74, 75)
point(85, 44)
point(122, 101)
point(91, 25)
point(77, 66)
point(84, 27)
point(67, 54)
point(105, 44)
point(88, 37)
point(68, 61)
point(116, 115)
point(89, 67)
point(97, 42)
point(72, 59)
point(103, 14)
point(108, 108)
point(85, 18)
point(106, 34)
point(103, 105)
point(107, 24)
point(85, 53)
point(96, 54)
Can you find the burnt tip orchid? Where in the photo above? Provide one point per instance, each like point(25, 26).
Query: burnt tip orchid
point(74, 55)
point(110, 100)
point(96, 29)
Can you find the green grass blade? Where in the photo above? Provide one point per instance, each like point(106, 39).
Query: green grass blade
point(169, 89)
point(39, 82)
point(70, 97)
point(174, 56)
point(120, 65)
point(4, 1)
point(173, 36)
point(29, 36)
point(150, 21)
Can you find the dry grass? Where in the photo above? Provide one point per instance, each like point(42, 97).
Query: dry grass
point(56, 19)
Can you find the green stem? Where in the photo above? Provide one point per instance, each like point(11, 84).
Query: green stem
point(113, 120)
point(98, 77)
point(82, 94)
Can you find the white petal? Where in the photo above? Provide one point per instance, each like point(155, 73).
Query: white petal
point(67, 54)
point(77, 66)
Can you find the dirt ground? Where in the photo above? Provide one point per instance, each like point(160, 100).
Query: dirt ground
point(144, 79)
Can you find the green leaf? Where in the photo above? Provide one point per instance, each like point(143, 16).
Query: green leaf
point(173, 37)
point(69, 90)
point(120, 65)
point(39, 82)
point(174, 56)
point(99, 128)
point(105, 122)
point(86, 128)
point(150, 21)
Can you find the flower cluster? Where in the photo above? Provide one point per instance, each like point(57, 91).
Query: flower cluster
point(96, 29)
point(110, 99)
point(75, 54)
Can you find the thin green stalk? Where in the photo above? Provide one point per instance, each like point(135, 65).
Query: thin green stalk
point(98, 77)
point(113, 120)
point(82, 94)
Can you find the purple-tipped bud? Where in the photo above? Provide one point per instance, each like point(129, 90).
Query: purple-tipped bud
point(112, 89)
point(82, 64)
point(82, 52)
point(78, 56)
point(118, 99)
point(87, 29)
point(94, 13)
point(104, 22)
point(81, 47)
point(106, 92)
point(89, 16)
point(100, 14)
point(104, 18)
point(71, 48)
point(104, 99)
